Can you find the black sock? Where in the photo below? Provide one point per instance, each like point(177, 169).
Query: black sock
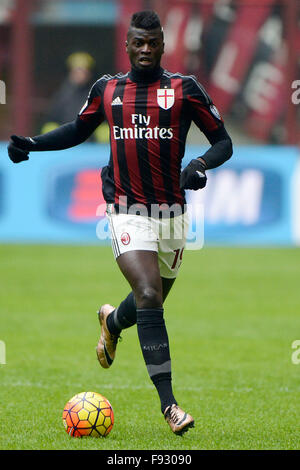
point(122, 317)
point(155, 348)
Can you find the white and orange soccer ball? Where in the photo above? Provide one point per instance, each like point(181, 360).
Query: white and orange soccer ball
point(88, 414)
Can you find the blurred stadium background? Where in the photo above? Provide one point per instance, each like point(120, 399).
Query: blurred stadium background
point(245, 52)
point(242, 289)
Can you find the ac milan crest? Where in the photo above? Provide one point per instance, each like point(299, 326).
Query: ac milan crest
point(125, 238)
point(165, 98)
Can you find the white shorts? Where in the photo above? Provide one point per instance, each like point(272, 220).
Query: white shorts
point(166, 236)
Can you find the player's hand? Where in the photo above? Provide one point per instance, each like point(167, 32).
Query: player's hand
point(193, 176)
point(19, 148)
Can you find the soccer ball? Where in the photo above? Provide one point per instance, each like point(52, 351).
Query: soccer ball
point(88, 414)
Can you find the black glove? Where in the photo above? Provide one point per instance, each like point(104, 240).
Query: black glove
point(193, 176)
point(19, 148)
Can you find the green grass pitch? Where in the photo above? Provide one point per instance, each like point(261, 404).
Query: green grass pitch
point(232, 317)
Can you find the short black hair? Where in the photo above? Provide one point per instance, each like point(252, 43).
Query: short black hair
point(146, 19)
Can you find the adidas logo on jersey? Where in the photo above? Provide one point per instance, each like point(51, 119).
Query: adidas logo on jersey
point(117, 101)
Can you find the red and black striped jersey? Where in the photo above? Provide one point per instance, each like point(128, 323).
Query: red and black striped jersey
point(148, 122)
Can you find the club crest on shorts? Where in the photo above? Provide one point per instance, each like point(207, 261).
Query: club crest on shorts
point(125, 238)
point(165, 97)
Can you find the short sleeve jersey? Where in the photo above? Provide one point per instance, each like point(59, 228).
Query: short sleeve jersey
point(148, 125)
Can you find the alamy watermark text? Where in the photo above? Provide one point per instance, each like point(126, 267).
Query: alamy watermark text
point(296, 94)
point(296, 354)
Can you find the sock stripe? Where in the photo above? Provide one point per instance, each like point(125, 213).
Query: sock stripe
point(155, 369)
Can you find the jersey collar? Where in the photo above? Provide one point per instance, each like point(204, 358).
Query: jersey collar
point(137, 76)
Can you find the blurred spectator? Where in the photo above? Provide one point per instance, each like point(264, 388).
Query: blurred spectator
point(72, 94)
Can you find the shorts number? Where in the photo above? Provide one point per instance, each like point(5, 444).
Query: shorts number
point(178, 255)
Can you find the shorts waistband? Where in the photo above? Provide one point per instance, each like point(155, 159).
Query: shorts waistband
point(156, 211)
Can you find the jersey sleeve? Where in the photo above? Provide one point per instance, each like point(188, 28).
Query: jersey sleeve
point(201, 108)
point(91, 112)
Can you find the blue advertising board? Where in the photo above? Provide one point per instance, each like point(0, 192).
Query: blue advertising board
point(251, 199)
point(56, 197)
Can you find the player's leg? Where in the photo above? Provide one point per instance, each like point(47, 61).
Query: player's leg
point(129, 233)
point(167, 285)
point(141, 269)
point(112, 320)
point(124, 316)
point(170, 254)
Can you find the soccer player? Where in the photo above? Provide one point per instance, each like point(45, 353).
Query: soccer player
point(149, 111)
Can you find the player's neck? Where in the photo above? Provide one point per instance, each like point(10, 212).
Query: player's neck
point(146, 76)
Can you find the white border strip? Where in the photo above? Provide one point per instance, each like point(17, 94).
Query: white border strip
point(295, 204)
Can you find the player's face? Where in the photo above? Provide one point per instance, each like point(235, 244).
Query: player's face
point(145, 48)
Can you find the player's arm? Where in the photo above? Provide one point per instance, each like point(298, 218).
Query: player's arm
point(206, 117)
point(66, 136)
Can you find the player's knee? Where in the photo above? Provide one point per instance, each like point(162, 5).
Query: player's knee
point(148, 297)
